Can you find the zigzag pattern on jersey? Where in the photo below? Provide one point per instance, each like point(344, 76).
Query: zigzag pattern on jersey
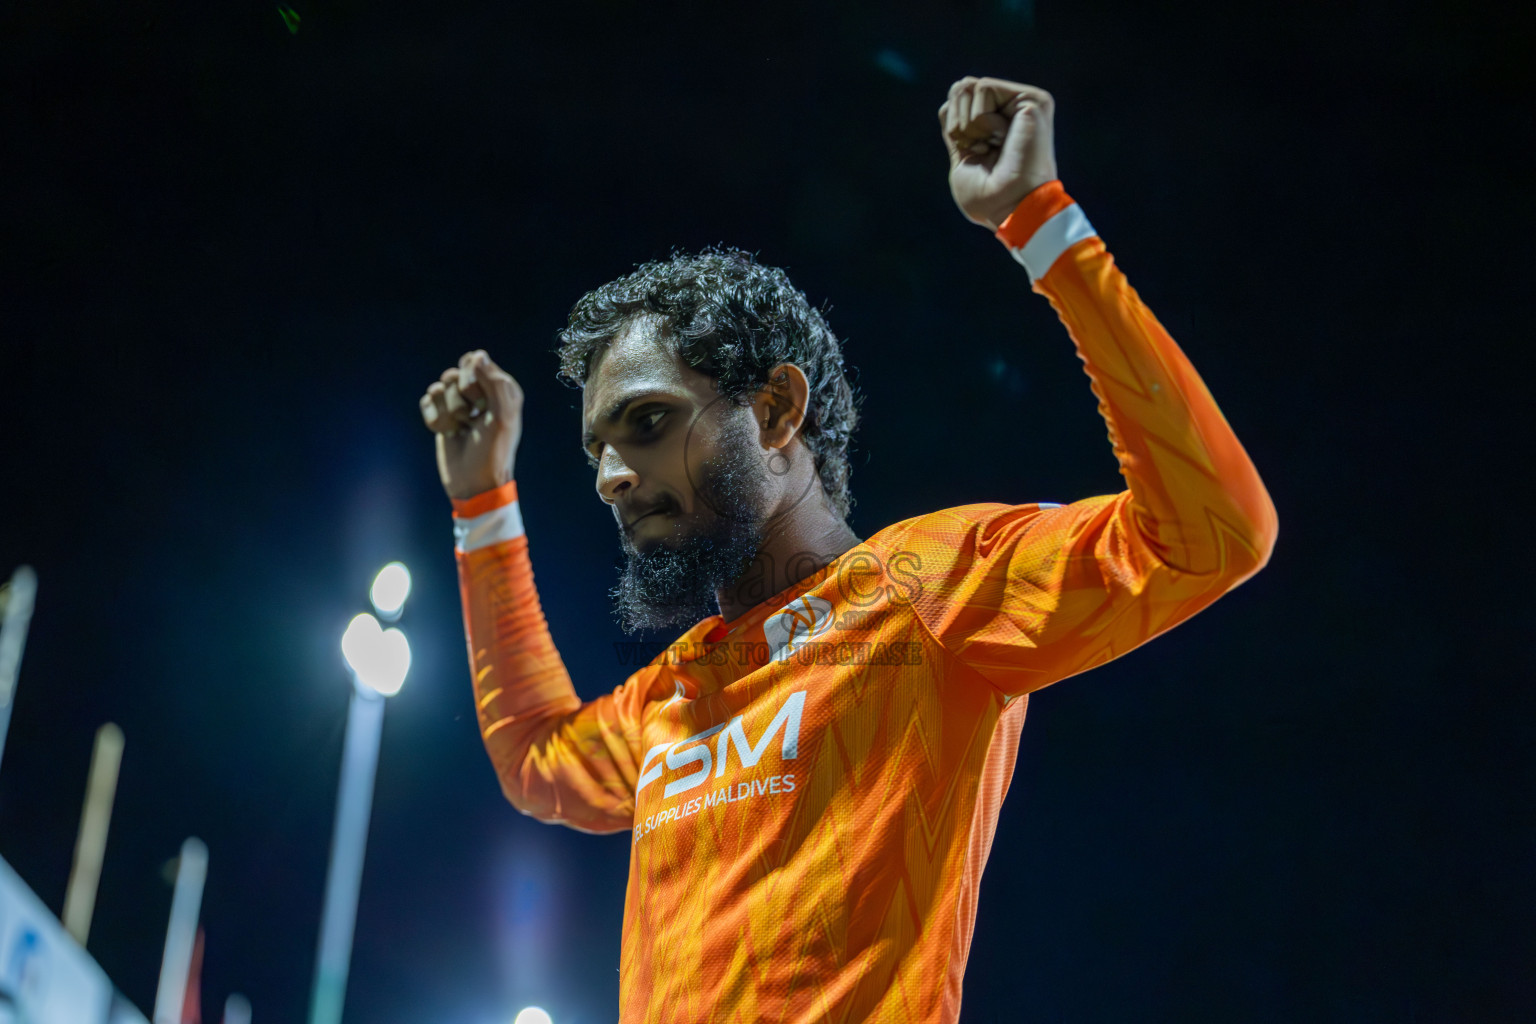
point(876, 815)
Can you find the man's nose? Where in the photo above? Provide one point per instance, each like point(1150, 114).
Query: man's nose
point(614, 475)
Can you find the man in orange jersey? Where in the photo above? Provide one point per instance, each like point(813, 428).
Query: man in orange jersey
point(812, 773)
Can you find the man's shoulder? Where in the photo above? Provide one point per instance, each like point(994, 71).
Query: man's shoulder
point(950, 525)
point(967, 540)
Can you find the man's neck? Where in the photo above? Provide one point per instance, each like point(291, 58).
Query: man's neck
point(800, 547)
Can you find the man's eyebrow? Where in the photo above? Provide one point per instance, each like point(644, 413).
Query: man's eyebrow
point(613, 415)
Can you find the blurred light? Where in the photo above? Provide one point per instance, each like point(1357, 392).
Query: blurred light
point(91, 846)
point(379, 657)
point(531, 1015)
point(237, 1010)
point(1023, 10)
point(390, 589)
point(895, 65)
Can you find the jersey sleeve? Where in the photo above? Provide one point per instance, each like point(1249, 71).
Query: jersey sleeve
point(557, 758)
point(1028, 595)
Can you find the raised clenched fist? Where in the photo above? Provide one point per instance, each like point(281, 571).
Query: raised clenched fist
point(475, 409)
point(1000, 142)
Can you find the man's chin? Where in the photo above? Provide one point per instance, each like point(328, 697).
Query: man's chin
point(670, 579)
point(675, 562)
point(646, 600)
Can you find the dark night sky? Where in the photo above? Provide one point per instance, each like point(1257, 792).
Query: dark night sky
point(233, 257)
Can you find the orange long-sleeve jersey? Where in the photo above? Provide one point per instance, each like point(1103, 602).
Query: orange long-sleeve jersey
point(812, 789)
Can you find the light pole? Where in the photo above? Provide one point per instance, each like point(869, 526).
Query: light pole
point(181, 933)
point(379, 659)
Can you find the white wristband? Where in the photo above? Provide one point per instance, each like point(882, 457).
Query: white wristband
point(489, 528)
point(1053, 238)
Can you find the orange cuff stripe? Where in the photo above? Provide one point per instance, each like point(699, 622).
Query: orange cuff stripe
point(1043, 203)
point(468, 508)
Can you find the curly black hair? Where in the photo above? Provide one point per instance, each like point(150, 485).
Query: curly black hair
point(734, 319)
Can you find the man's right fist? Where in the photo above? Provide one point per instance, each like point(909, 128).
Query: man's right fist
point(476, 411)
point(1001, 145)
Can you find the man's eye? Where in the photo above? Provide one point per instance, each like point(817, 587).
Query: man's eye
point(645, 423)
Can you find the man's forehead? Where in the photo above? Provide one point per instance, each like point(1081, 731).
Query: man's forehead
point(638, 361)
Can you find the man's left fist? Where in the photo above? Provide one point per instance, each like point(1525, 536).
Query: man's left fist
point(1000, 144)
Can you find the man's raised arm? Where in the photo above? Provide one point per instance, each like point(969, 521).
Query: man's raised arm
point(1195, 496)
point(1086, 583)
point(558, 759)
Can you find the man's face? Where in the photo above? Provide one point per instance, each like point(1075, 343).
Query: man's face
point(683, 470)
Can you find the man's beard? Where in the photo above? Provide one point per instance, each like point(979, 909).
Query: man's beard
point(673, 582)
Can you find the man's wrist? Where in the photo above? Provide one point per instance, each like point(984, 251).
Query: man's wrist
point(1043, 227)
point(487, 519)
point(996, 215)
point(1039, 205)
point(485, 501)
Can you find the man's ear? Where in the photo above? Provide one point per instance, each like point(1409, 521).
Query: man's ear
point(779, 406)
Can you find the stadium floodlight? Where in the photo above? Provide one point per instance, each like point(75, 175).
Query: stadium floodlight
point(531, 1015)
point(390, 589)
point(378, 657)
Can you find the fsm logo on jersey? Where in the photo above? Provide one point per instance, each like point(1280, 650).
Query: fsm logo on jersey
point(695, 752)
point(796, 624)
point(695, 749)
